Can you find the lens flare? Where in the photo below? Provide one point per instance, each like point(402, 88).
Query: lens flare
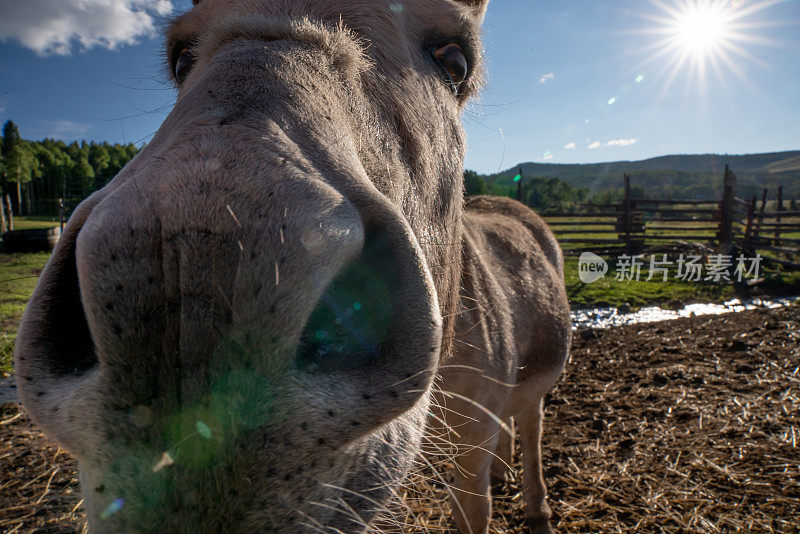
point(697, 38)
point(112, 509)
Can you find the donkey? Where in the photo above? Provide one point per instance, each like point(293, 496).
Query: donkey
point(512, 342)
point(241, 331)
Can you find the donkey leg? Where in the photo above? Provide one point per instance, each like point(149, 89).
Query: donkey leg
point(471, 498)
point(534, 491)
point(504, 454)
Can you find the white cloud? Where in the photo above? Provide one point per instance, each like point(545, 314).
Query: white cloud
point(613, 142)
point(569, 146)
point(549, 77)
point(57, 26)
point(622, 142)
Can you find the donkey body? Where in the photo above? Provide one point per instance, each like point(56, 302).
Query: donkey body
point(512, 341)
point(240, 333)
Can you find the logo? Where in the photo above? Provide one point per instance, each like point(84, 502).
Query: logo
point(591, 267)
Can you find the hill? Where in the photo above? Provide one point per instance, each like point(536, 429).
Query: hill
point(675, 175)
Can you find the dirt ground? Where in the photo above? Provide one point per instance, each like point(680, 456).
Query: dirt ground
point(685, 426)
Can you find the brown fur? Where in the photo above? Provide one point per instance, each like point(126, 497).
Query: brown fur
point(311, 167)
point(512, 341)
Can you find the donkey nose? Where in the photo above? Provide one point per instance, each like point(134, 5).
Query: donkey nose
point(194, 293)
point(165, 280)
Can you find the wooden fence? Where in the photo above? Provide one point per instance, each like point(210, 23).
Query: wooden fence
point(721, 225)
point(776, 233)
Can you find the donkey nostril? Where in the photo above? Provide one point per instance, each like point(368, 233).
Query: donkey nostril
point(352, 319)
point(350, 323)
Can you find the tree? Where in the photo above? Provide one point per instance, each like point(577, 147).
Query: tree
point(16, 161)
point(10, 137)
point(21, 166)
point(474, 184)
point(551, 194)
point(99, 159)
point(10, 141)
point(83, 175)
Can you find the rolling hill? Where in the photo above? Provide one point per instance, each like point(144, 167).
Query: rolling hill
point(691, 175)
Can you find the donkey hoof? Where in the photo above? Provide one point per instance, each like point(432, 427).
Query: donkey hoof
point(540, 526)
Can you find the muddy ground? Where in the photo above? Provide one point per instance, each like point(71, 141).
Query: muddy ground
point(686, 426)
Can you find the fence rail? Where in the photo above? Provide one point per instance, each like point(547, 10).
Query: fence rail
point(774, 231)
point(726, 225)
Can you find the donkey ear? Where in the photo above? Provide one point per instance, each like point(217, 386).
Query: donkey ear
point(478, 6)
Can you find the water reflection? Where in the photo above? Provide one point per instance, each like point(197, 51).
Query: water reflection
point(610, 317)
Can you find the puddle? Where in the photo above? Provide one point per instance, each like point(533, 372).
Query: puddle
point(611, 317)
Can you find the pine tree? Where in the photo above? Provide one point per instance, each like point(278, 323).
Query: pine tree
point(11, 158)
point(10, 138)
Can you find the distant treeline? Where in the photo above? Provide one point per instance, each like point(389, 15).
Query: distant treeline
point(546, 194)
point(35, 174)
point(669, 184)
point(693, 177)
point(549, 193)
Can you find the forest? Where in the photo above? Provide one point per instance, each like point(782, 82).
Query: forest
point(36, 174)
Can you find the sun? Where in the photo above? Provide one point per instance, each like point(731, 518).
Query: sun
point(698, 38)
point(702, 29)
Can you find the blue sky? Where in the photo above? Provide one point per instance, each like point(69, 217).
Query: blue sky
point(569, 81)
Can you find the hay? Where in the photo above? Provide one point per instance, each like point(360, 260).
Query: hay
point(687, 426)
point(39, 489)
point(684, 426)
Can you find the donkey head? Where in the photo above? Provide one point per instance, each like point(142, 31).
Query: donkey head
point(239, 333)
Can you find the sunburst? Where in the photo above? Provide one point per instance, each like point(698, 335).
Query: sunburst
point(703, 29)
point(701, 36)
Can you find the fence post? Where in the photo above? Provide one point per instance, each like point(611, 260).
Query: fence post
point(519, 185)
point(726, 211)
point(626, 206)
point(779, 209)
point(760, 216)
point(748, 232)
point(62, 203)
point(61, 213)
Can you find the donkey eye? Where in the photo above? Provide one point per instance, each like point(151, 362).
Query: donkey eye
point(454, 62)
point(183, 64)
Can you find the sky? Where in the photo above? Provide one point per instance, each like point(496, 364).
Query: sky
point(570, 81)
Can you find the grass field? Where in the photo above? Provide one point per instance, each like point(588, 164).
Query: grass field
point(563, 225)
point(26, 223)
point(612, 292)
point(18, 275)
